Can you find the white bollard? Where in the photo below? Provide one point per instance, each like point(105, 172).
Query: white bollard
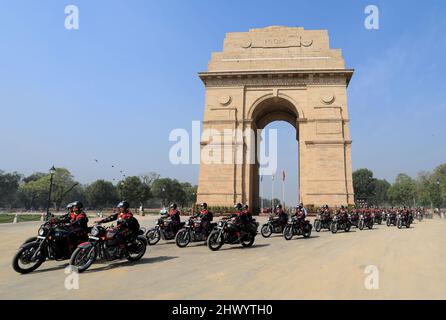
point(42, 217)
point(16, 218)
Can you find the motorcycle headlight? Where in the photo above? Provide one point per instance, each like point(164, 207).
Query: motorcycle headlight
point(220, 223)
point(41, 231)
point(94, 232)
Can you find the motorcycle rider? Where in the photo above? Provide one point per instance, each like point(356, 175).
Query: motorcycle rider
point(126, 225)
point(355, 214)
point(240, 220)
point(174, 215)
point(247, 213)
point(76, 222)
point(301, 206)
point(300, 215)
point(205, 216)
point(325, 213)
point(281, 215)
point(343, 214)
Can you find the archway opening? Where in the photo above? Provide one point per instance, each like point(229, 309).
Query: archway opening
point(278, 154)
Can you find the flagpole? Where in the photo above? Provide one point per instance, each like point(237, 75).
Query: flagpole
point(261, 194)
point(272, 192)
point(283, 188)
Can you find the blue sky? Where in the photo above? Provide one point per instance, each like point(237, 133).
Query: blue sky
point(104, 91)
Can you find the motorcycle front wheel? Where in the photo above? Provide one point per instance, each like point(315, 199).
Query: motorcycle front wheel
point(153, 236)
point(288, 232)
point(317, 225)
point(388, 222)
point(23, 262)
point(266, 231)
point(182, 238)
point(334, 227)
point(83, 257)
point(137, 249)
point(361, 225)
point(248, 242)
point(307, 232)
point(215, 241)
point(399, 223)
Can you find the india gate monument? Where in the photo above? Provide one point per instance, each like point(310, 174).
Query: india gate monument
point(279, 73)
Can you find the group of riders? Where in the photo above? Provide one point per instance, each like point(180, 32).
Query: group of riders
point(75, 221)
point(239, 227)
point(240, 219)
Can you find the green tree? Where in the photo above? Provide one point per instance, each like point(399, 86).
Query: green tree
point(380, 190)
point(364, 184)
point(134, 191)
point(63, 186)
point(33, 177)
point(438, 187)
point(9, 185)
point(190, 194)
point(34, 194)
point(403, 191)
point(101, 194)
point(424, 189)
point(169, 191)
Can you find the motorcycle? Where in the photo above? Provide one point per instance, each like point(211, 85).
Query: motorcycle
point(354, 220)
point(419, 216)
point(272, 226)
point(102, 244)
point(162, 230)
point(226, 232)
point(340, 224)
point(296, 228)
point(51, 243)
point(378, 218)
point(191, 233)
point(365, 221)
point(403, 220)
point(322, 223)
point(391, 219)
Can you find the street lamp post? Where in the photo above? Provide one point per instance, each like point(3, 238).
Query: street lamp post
point(164, 196)
point(52, 172)
point(439, 199)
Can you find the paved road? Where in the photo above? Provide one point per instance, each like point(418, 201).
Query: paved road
point(411, 264)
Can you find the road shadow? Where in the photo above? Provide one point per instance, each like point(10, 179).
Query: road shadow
point(112, 265)
point(162, 243)
point(58, 267)
point(343, 232)
point(303, 238)
point(240, 247)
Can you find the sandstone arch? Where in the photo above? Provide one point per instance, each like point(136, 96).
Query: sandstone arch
point(280, 73)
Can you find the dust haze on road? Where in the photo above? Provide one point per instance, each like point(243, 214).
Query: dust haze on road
point(411, 264)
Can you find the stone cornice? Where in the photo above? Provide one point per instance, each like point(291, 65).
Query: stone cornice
point(318, 142)
point(277, 77)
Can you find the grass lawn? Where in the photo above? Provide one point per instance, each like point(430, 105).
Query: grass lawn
point(9, 218)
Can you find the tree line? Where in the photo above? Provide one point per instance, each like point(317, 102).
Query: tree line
point(428, 189)
point(149, 190)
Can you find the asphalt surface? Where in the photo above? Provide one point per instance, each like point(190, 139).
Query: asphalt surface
point(410, 264)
